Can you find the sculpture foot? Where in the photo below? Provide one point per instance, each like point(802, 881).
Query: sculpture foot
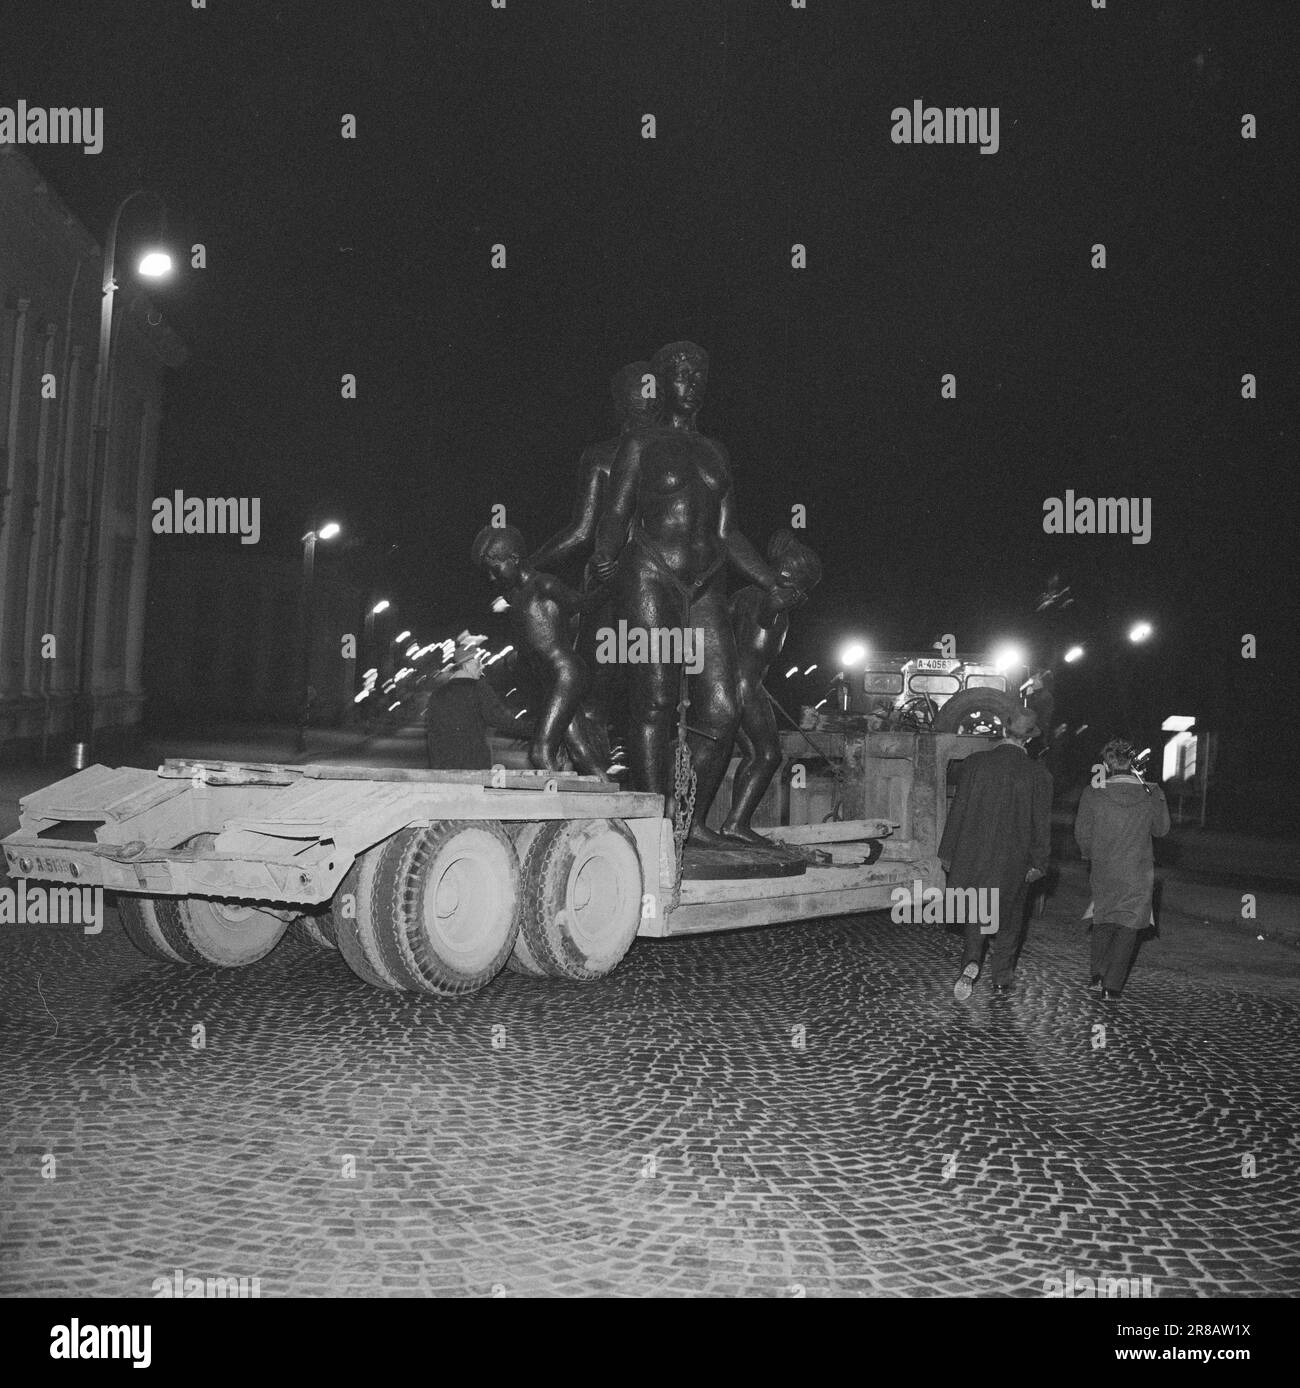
point(703, 837)
point(744, 834)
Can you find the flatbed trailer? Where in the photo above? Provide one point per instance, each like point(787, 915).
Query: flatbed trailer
point(433, 881)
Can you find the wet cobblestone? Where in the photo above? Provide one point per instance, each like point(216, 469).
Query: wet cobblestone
point(661, 1132)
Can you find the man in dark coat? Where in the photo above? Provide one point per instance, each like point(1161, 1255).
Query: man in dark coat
point(998, 837)
point(1114, 828)
point(462, 707)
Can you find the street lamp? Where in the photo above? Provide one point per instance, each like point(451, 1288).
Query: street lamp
point(368, 639)
point(1008, 658)
point(155, 264)
point(324, 532)
point(1073, 654)
point(1139, 632)
point(853, 654)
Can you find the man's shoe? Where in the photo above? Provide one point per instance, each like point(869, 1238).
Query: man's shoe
point(1109, 995)
point(1095, 983)
point(1002, 989)
point(962, 988)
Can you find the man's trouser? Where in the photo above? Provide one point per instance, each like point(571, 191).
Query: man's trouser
point(1113, 947)
point(1002, 950)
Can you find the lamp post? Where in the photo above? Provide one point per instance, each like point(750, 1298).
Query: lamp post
point(155, 264)
point(373, 659)
point(325, 532)
point(382, 605)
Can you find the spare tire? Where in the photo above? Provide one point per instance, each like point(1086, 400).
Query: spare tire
point(992, 702)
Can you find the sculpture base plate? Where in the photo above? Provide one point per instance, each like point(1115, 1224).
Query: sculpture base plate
point(711, 864)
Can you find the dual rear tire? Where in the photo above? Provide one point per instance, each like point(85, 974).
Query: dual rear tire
point(439, 909)
point(582, 899)
point(200, 930)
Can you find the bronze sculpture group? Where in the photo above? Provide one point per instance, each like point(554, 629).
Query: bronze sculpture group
point(656, 515)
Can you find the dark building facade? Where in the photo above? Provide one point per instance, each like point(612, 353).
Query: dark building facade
point(50, 292)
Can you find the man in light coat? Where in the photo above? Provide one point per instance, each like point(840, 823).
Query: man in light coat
point(1114, 828)
point(998, 836)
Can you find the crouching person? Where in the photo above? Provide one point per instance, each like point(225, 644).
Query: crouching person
point(1114, 828)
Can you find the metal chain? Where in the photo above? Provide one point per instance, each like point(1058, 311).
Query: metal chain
point(684, 783)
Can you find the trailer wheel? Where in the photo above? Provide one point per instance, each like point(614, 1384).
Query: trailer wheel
point(960, 708)
point(227, 934)
point(582, 909)
point(139, 917)
point(352, 918)
point(522, 959)
point(452, 899)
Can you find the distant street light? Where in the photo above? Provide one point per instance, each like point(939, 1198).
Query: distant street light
point(100, 415)
point(853, 654)
point(400, 637)
point(793, 670)
point(314, 533)
point(382, 606)
point(1073, 654)
point(1140, 632)
point(810, 669)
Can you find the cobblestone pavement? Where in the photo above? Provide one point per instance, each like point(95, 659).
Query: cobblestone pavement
point(797, 1110)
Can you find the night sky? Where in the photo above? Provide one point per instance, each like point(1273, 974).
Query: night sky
point(522, 126)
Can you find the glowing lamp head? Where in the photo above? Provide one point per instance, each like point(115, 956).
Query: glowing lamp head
point(1073, 654)
point(1139, 632)
point(381, 606)
point(1008, 658)
point(328, 530)
point(155, 265)
point(854, 653)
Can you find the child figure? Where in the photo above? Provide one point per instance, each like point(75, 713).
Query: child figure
point(761, 620)
point(541, 607)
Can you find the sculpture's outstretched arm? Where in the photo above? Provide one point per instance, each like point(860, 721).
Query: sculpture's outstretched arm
point(578, 535)
point(742, 554)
